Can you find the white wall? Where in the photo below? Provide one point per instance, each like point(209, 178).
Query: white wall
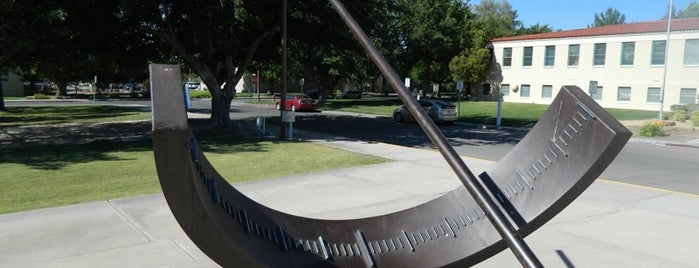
point(611, 76)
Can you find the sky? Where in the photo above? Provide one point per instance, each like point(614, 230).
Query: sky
point(576, 14)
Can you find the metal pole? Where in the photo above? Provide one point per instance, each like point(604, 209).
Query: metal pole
point(498, 118)
point(282, 98)
point(523, 253)
point(257, 86)
point(667, 50)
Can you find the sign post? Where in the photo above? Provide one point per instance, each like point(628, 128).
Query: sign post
point(459, 88)
point(289, 117)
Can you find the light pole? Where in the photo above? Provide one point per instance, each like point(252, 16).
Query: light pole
point(667, 49)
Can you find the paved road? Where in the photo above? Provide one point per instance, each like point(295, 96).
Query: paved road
point(671, 168)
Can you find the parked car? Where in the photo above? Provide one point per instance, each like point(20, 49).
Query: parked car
point(316, 93)
point(350, 94)
point(440, 111)
point(296, 102)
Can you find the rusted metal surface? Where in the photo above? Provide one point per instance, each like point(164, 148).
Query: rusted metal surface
point(562, 155)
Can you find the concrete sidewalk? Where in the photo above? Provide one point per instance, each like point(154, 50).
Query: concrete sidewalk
point(610, 225)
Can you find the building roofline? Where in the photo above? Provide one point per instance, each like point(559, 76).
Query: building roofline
point(659, 26)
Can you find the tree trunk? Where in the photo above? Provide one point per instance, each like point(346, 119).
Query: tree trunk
point(62, 89)
point(220, 112)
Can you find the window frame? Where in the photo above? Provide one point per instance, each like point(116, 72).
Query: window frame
point(521, 91)
point(598, 93)
point(648, 95)
point(599, 54)
point(575, 56)
point(693, 52)
point(626, 54)
point(549, 56)
point(546, 94)
point(504, 93)
point(693, 95)
point(507, 57)
point(619, 94)
point(527, 59)
point(655, 52)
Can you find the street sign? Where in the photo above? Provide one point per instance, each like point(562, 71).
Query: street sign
point(407, 82)
point(288, 116)
point(459, 85)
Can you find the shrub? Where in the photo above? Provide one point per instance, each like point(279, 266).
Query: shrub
point(680, 116)
point(199, 94)
point(667, 115)
point(651, 129)
point(695, 118)
point(40, 96)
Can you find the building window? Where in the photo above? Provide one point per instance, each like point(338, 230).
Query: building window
point(600, 54)
point(527, 56)
point(505, 90)
point(657, 56)
point(4, 75)
point(486, 89)
point(546, 91)
point(573, 55)
point(524, 91)
point(653, 95)
point(597, 93)
point(623, 94)
point(691, 52)
point(627, 53)
point(507, 57)
point(550, 56)
point(688, 96)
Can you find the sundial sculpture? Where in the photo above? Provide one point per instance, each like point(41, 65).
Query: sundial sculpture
point(569, 147)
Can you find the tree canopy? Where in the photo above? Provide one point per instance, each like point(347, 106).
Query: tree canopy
point(223, 41)
point(691, 11)
point(610, 16)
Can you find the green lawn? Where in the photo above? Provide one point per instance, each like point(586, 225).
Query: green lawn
point(479, 112)
point(39, 177)
point(48, 176)
point(17, 116)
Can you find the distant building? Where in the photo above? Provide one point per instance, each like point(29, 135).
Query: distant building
point(624, 61)
point(12, 86)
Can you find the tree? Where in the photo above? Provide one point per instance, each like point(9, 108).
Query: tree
point(321, 48)
point(691, 11)
point(5, 5)
point(216, 39)
point(434, 34)
point(534, 29)
point(609, 17)
point(497, 18)
point(66, 41)
point(220, 40)
point(472, 65)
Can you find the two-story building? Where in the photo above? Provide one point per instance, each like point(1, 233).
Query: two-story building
point(621, 66)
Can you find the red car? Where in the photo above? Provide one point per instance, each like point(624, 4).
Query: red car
point(297, 102)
